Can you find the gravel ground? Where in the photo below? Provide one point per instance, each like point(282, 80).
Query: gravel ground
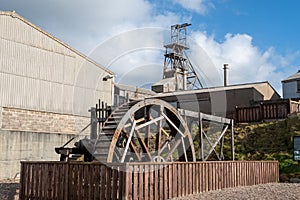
point(9, 190)
point(280, 191)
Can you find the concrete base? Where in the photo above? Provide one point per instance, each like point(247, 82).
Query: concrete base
point(20, 145)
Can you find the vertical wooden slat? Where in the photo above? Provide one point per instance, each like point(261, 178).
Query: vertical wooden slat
point(190, 178)
point(170, 181)
point(96, 178)
point(141, 181)
point(215, 175)
point(103, 182)
point(53, 180)
point(66, 174)
point(108, 183)
point(39, 181)
point(166, 179)
point(135, 182)
point(74, 182)
point(219, 175)
point(33, 180)
point(200, 177)
point(194, 174)
point(175, 180)
point(210, 176)
point(156, 182)
point(90, 173)
point(114, 183)
point(44, 169)
point(206, 184)
point(79, 181)
point(128, 181)
point(161, 182)
point(179, 183)
point(151, 182)
point(185, 178)
point(23, 180)
point(146, 182)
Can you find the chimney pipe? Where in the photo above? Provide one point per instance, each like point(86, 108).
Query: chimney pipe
point(225, 75)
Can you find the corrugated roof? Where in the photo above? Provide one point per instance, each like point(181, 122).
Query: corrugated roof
point(295, 76)
point(13, 14)
point(133, 89)
point(216, 89)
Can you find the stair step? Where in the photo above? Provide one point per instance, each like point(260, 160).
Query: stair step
point(115, 118)
point(123, 109)
point(111, 127)
point(109, 123)
point(118, 114)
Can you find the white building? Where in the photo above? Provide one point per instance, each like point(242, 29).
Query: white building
point(46, 89)
point(291, 86)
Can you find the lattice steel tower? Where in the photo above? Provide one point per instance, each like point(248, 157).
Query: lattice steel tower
point(176, 63)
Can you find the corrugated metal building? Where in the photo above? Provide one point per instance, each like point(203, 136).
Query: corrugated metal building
point(125, 93)
point(46, 89)
point(291, 86)
point(221, 100)
point(41, 73)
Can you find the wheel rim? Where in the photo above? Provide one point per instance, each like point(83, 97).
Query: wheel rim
point(151, 131)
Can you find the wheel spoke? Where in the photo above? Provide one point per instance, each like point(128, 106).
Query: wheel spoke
point(143, 144)
point(128, 141)
point(149, 130)
point(177, 129)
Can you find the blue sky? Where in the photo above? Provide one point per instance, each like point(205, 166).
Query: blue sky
point(259, 39)
point(270, 23)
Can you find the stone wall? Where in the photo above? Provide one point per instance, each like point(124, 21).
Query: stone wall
point(38, 121)
point(32, 136)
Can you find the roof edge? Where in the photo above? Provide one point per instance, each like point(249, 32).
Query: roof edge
point(13, 14)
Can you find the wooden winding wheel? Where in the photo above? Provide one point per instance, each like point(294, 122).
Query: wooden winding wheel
point(144, 131)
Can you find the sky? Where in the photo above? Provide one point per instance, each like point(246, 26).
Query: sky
point(259, 39)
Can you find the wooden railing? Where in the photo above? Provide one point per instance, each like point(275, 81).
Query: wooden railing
point(267, 110)
point(62, 180)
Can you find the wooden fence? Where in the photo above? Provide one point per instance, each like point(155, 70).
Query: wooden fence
point(63, 180)
point(267, 110)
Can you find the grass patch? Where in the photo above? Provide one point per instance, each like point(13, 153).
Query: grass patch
point(266, 141)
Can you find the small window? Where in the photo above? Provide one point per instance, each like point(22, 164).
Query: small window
point(298, 86)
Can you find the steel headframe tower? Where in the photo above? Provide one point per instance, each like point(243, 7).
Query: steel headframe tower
point(176, 64)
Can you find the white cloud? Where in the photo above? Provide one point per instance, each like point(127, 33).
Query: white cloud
point(247, 63)
point(84, 25)
point(199, 6)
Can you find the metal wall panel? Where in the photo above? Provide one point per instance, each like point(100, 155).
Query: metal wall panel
point(37, 72)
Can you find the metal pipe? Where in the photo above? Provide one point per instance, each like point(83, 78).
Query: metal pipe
point(225, 75)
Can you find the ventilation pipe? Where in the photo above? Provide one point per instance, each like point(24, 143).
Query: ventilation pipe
point(225, 75)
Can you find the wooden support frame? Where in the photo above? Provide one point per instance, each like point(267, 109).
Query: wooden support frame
point(227, 123)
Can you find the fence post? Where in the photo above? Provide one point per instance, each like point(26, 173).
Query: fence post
point(289, 106)
point(94, 122)
point(21, 196)
point(126, 181)
point(232, 140)
point(236, 114)
point(261, 110)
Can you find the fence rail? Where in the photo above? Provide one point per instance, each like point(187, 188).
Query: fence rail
point(62, 180)
point(267, 110)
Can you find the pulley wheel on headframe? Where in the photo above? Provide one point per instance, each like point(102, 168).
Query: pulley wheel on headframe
point(146, 131)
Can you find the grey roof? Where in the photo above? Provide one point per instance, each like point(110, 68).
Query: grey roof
point(295, 76)
point(133, 89)
point(217, 89)
point(15, 15)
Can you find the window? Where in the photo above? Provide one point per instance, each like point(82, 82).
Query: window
point(298, 86)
